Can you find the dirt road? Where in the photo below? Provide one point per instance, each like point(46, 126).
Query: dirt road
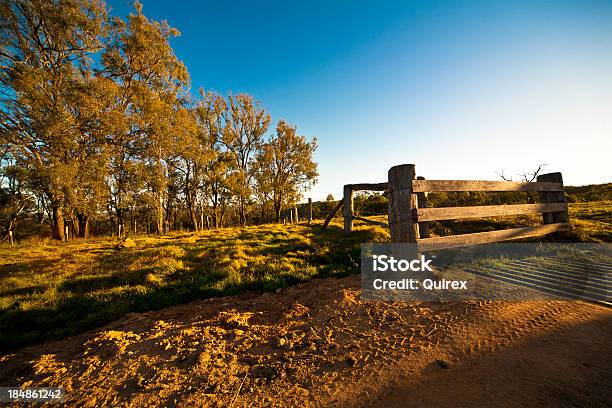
point(318, 344)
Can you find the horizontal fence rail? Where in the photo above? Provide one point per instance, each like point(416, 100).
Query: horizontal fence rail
point(479, 185)
point(452, 241)
point(370, 186)
point(409, 212)
point(456, 213)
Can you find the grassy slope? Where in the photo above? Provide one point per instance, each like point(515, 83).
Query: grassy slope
point(52, 290)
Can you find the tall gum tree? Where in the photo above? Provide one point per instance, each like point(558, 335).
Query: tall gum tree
point(94, 107)
point(44, 51)
point(247, 124)
point(211, 116)
point(285, 166)
point(154, 83)
point(192, 154)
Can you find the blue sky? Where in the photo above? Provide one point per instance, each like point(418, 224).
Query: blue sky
point(463, 89)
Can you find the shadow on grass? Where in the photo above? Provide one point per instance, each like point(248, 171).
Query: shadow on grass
point(15, 268)
point(147, 278)
point(28, 290)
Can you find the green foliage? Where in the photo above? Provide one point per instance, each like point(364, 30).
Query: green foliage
point(98, 109)
point(48, 120)
point(370, 204)
point(284, 166)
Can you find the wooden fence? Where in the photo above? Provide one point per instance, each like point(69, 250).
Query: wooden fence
point(408, 208)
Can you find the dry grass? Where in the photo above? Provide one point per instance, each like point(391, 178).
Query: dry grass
point(51, 290)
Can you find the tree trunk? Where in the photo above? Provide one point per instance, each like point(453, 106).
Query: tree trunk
point(242, 217)
point(57, 223)
point(215, 218)
point(74, 224)
point(194, 218)
point(221, 216)
point(119, 218)
point(83, 225)
point(277, 210)
point(159, 220)
point(160, 194)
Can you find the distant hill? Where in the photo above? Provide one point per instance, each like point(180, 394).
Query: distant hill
point(592, 192)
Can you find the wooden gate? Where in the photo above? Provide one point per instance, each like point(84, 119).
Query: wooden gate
point(407, 208)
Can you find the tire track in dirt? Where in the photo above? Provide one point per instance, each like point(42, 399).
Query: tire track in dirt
point(316, 344)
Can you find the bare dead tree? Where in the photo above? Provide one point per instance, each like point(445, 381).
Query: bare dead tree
point(503, 176)
point(532, 176)
point(527, 177)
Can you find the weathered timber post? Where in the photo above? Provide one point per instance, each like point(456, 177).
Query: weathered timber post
point(309, 211)
point(402, 202)
point(296, 217)
point(423, 227)
point(553, 197)
point(348, 208)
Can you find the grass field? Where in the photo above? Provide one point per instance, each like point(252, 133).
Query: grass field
point(52, 290)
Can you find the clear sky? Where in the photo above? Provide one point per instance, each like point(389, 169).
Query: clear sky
point(462, 89)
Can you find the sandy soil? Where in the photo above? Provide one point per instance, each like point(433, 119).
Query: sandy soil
point(318, 344)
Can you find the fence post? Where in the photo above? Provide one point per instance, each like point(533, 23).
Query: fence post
point(348, 208)
point(553, 197)
point(402, 202)
point(309, 211)
point(423, 227)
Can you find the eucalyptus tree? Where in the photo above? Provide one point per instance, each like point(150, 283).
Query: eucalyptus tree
point(193, 153)
point(154, 85)
point(285, 166)
point(217, 182)
point(45, 50)
point(95, 113)
point(15, 201)
point(246, 126)
point(93, 107)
